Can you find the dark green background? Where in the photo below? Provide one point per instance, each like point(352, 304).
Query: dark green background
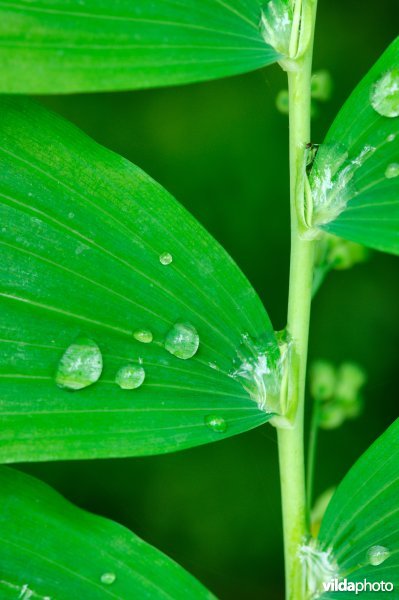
point(221, 149)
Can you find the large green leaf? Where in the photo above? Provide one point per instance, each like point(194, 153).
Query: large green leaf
point(82, 232)
point(51, 46)
point(355, 178)
point(363, 515)
point(51, 549)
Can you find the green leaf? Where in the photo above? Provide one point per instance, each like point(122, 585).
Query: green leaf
point(51, 549)
point(363, 515)
point(84, 236)
point(355, 177)
point(52, 46)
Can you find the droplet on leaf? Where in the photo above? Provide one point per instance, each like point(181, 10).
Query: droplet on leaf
point(130, 377)
point(165, 258)
point(80, 365)
point(182, 340)
point(108, 578)
point(392, 171)
point(376, 555)
point(385, 94)
point(217, 424)
point(143, 335)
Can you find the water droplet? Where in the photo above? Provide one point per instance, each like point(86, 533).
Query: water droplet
point(182, 340)
point(391, 137)
point(217, 424)
point(108, 578)
point(80, 365)
point(71, 215)
point(213, 366)
point(392, 171)
point(165, 258)
point(143, 335)
point(376, 555)
point(385, 94)
point(130, 377)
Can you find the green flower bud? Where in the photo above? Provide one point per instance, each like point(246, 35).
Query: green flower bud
point(322, 380)
point(282, 102)
point(321, 85)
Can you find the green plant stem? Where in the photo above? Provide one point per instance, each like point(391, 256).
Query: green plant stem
point(313, 437)
point(291, 441)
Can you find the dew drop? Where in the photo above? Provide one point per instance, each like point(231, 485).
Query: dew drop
point(108, 578)
point(385, 94)
point(165, 258)
point(217, 424)
point(182, 340)
point(376, 555)
point(80, 365)
point(143, 335)
point(71, 215)
point(391, 137)
point(392, 171)
point(130, 377)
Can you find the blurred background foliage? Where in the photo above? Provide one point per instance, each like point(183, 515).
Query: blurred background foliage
point(221, 149)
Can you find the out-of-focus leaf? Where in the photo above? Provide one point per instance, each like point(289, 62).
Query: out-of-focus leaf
point(52, 550)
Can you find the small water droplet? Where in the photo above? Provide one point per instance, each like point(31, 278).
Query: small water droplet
point(108, 578)
point(385, 94)
point(182, 340)
point(130, 377)
point(165, 258)
point(80, 365)
point(391, 137)
point(143, 335)
point(376, 555)
point(392, 171)
point(213, 366)
point(217, 424)
point(71, 215)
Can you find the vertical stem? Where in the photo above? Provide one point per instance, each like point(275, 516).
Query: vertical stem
point(313, 437)
point(291, 441)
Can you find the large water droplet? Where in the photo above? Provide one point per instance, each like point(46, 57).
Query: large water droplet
point(217, 424)
point(376, 555)
point(165, 258)
point(182, 340)
point(108, 578)
point(385, 94)
point(392, 171)
point(80, 366)
point(143, 335)
point(130, 377)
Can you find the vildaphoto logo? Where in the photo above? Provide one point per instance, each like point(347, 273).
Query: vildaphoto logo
point(343, 585)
